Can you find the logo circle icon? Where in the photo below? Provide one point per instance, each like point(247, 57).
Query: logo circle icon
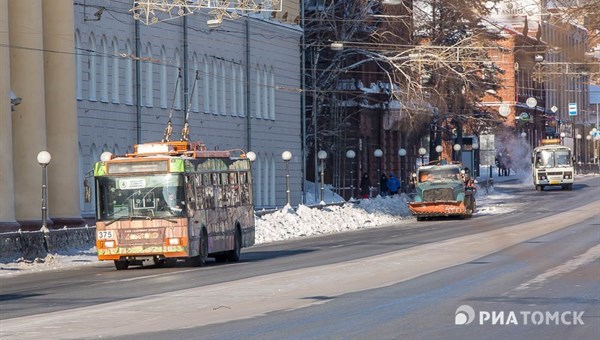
point(464, 315)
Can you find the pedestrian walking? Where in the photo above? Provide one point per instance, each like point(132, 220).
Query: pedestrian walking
point(393, 184)
point(365, 186)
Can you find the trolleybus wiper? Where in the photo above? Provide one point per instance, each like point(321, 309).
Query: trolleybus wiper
point(140, 217)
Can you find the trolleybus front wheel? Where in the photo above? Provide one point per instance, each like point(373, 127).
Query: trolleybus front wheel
point(121, 264)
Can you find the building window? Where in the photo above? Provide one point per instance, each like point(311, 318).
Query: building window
point(241, 91)
point(272, 94)
point(265, 94)
point(163, 78)
point(272, 186)
point(92, 68)
point(215, 88)
point(206, 82)
point(104, 71)
point(259, 181)
point(234, 89)
point(78, 65)
point(178, 81)
point(149, 81)
point(128, 74)
point(195, 84)
point(223, 89)
point(258, 94)
point(115, 71)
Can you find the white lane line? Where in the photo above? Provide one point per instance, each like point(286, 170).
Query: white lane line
point(588, 257)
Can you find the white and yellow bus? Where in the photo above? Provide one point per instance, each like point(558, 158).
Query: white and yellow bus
point(552, 164)
point(173, 200)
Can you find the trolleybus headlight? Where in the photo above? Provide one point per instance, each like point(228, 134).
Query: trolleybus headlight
point(109, 244)
point(174, 241)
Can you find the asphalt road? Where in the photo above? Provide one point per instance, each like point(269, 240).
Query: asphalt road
point(393, 282)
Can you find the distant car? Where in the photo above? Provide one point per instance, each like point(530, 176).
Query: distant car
point(442, 190)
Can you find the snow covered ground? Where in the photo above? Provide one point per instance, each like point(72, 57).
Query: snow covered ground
point(288, 223)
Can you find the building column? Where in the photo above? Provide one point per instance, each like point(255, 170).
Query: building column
point(28, 121)
point(7, 192)
point(61, 112)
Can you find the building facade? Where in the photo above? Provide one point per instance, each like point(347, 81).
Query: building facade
point(110, 82)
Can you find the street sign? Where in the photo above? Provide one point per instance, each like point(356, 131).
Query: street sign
point(531, 102)
point(596, 135)
point(554, 109)
point(572, 109)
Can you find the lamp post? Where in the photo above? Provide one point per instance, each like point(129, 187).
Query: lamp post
point(350, 154)
point(402, 154)
point(475, 171)
point(578, 151)
point(422, 153)
point(378, 153)
point(456, 148)
point(439, 149)
point(322, 155)
point(43, 159)
point(587, 154)
point(286, 156)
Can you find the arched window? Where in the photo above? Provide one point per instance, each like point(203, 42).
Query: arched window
point(215, 87)
point(195, 84)
point(177, 89)
point(272, 184)
point(128, 74)
point(78, 65)
point(149, 79)
point(115, 71)
point(206, 82)
point(223, 89)
point(259, 180)
point(272, 93)
point(234, 89)
point(241, 90)
point(92, 68)
point(265, 94)
point(104, 70)
point(266, 180)
point(163, 78)
point(257, 94)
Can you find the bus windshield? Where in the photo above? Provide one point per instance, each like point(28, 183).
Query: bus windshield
point(150, 196)
point(553, 158)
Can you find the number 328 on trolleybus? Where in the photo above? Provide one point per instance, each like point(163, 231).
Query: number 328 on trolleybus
point(173, 200)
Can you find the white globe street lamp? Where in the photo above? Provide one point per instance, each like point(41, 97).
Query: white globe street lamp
point(422, 152)
point(378, 153)
point(43, 159)
point(350, 154)
point(286, 156)
point(402, 153)
point(322, 155)
point(251, 156)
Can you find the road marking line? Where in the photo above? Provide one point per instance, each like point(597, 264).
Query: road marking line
point(588, 257)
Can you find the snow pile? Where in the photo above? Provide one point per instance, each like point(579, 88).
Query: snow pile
point(288, 223)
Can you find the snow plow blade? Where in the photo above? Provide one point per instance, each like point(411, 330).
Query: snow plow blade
point(431, 209)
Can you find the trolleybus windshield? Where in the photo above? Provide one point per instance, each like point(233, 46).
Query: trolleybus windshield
point(143, 196)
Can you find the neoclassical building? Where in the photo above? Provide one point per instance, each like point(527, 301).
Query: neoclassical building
point(89, 78)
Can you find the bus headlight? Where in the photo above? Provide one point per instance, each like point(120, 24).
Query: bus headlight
point(568, 175)
point(109, 244)
point(542, 177)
